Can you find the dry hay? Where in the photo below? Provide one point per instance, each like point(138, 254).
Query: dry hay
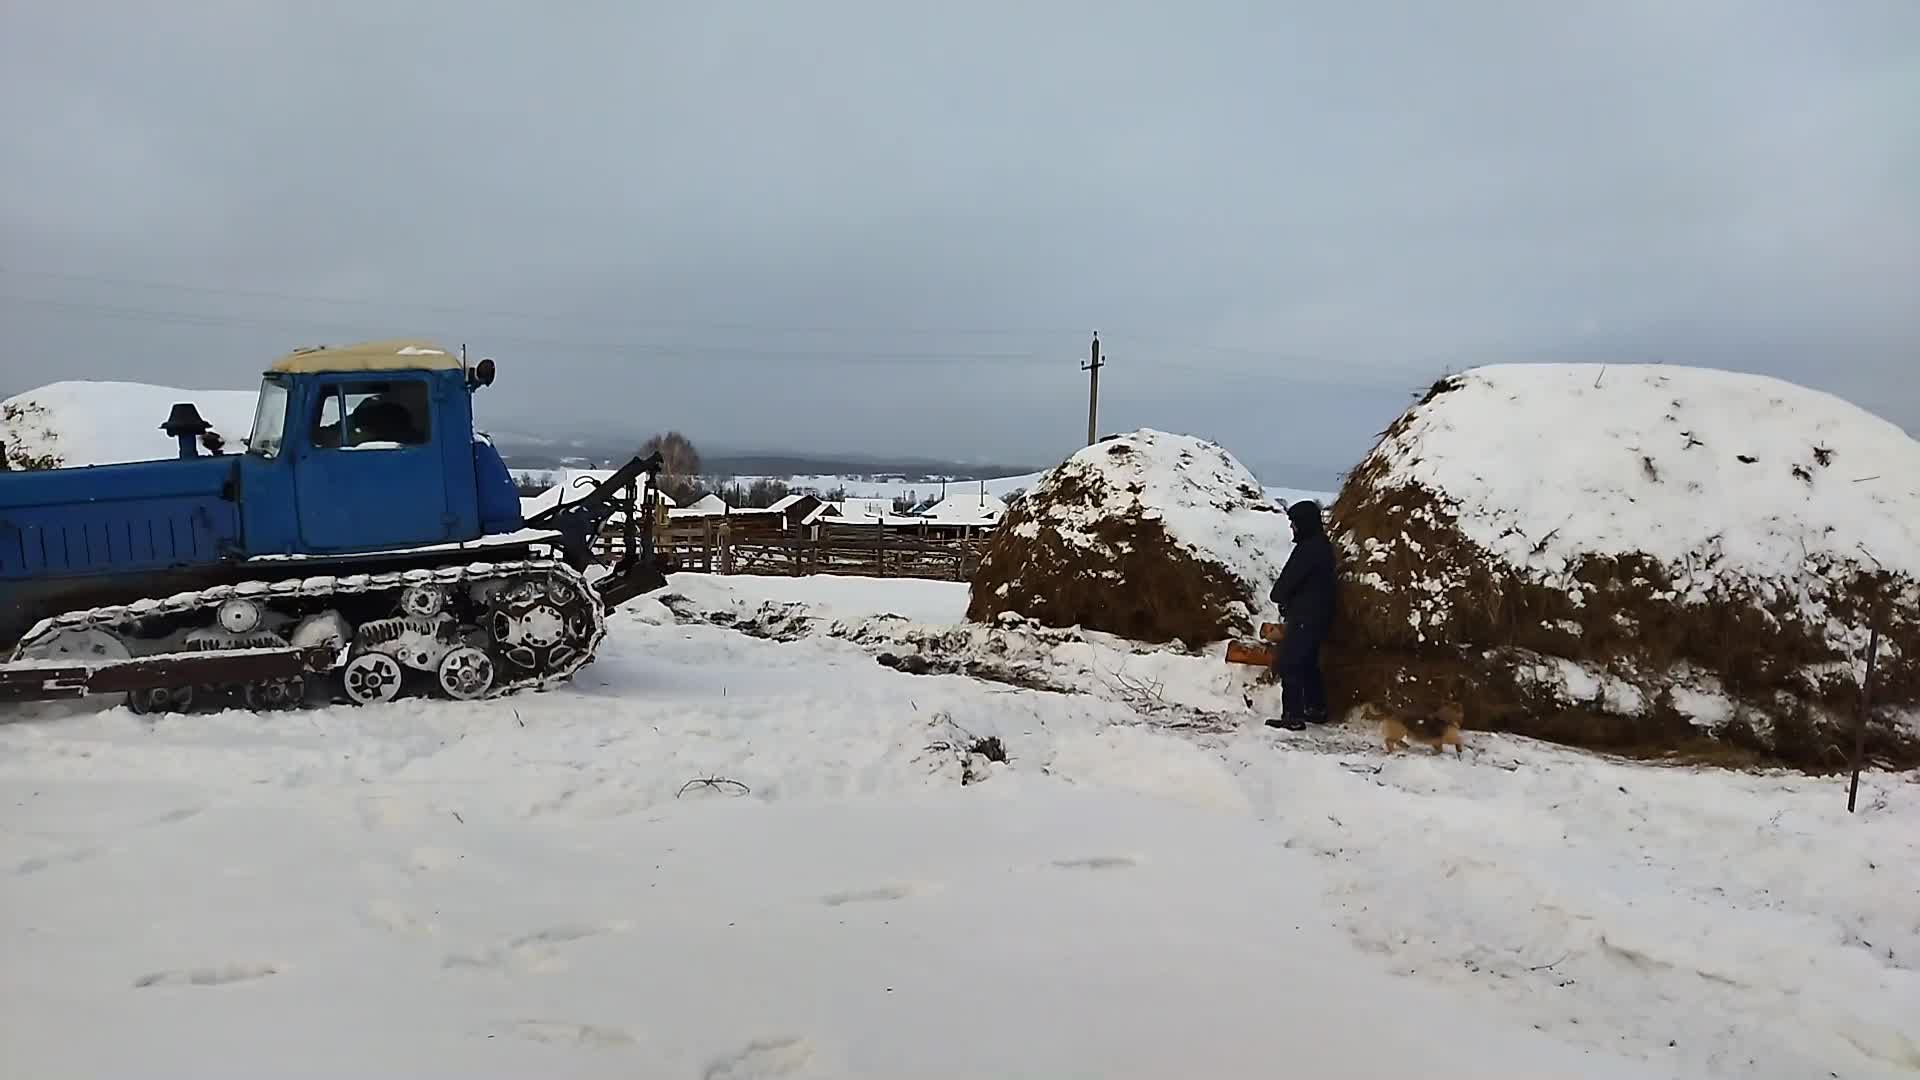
point(1091, 545)
point(1623, 659)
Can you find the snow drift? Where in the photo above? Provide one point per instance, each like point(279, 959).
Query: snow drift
point(1151, 536)
point(71, 424)
point(1635, 557)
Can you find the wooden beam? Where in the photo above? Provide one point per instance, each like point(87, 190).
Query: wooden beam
point(1251, 653)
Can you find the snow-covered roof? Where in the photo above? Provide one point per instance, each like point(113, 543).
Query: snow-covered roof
point(709, 504)
point(786, 501)
point(395, 355)
point(969, 508)
point(889, 518)
point(856, 508)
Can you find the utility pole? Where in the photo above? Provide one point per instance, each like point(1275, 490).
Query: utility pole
point(1093, 366)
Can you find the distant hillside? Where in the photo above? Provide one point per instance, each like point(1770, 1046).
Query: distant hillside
point(529, 457)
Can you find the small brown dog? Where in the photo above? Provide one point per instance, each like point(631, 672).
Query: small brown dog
point(1397, 729)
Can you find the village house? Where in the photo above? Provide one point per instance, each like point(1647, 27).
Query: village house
point(964, 515)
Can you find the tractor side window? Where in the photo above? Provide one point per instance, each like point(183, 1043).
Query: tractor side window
point(378, 416)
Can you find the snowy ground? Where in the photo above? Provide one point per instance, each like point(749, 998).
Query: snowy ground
point(1150, 887)
point(866, 488)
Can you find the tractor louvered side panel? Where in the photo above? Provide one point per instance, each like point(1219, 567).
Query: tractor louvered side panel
point(115, 536)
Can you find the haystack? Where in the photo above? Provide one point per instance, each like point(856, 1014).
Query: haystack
point(1641, 558)
point(1150, 536)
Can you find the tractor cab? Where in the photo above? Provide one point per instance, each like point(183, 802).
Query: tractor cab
point(368, 447)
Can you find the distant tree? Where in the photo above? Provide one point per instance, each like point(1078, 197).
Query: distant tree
point(679, 464)
point(528, 485)
point(905, 504)
point(1013, 497)
point(763, 493)
point(838, 494)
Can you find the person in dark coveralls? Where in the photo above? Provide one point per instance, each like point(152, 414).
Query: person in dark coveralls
point(1304, 594)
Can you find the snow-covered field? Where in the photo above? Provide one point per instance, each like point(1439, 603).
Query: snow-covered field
point(1152, 885)
point(861, 487)
point(864, 488)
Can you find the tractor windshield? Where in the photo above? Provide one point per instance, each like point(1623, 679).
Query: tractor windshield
point(269, 420)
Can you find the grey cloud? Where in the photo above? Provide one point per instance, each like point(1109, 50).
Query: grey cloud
point(889, 227)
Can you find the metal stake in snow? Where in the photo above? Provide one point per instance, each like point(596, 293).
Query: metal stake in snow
point(1093, 364)
point(1860, 721)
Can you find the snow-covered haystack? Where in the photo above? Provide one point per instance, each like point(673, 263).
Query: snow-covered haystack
point(1637, 557)
point(1151, 536)
point(71, 424)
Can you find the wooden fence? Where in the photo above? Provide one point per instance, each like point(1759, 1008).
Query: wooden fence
point(709, 546)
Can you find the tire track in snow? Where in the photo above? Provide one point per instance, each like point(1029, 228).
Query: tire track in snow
point(1098, 862)
point(763, 1059)
point(564, 1033)
point(899, 891)
point(536, 950)
point(34, 865)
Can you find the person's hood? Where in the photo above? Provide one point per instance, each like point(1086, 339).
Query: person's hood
point(1306, 518)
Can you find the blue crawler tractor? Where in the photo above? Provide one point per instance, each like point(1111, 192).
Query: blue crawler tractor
point(364, 543)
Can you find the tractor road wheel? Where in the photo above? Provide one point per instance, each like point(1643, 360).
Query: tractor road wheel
point(466, 674)
point(372, 678)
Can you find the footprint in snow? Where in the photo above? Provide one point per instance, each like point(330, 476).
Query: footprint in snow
point(396, 918)
point(762, 1059)
point(560, 935)
point(429, 859)
point(1098, 862)
point(175, 817)
point(867, 896)
point(59, 858)
point(565, 1034)
point(536, 950)
point(206, 976)
point(381, 812)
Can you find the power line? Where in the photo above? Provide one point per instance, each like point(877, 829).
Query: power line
point(1171, 344)
point(496, 312)
point(1038, 358)
point(660, 349)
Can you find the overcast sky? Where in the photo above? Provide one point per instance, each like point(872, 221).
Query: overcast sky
point(892, 226)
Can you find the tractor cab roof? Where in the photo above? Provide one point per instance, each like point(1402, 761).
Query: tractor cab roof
point(395, 355)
